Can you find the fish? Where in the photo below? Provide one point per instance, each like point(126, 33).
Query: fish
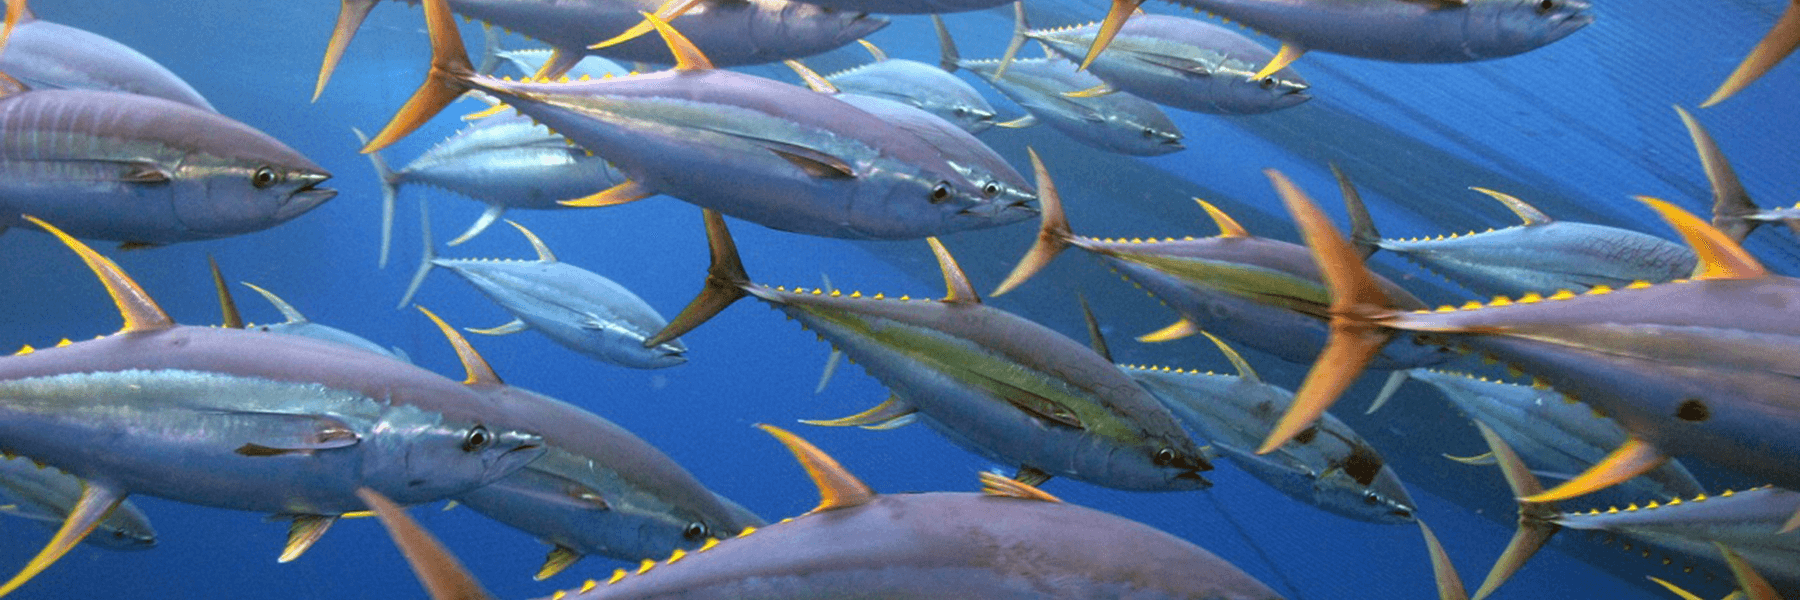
point(1179, 62)
point(46, 495)
point(1733, 212)
point(1553, 434)
point(45, 55)
point(926, 87)
point(769, 152)
point(238, 419)
point(1009, 541)
point(1781, 40)
point(1750, 527)
point(144, 170)
point(298, 324)
point(1408, 31)
point(532, 60)
point(503, 161)
point(734, 33)
point(1259, 292)
point(578, 309)
point(1699, 367)
point(998, 385)
point(1539, 255)
point(1119, 123)
point(598, 489)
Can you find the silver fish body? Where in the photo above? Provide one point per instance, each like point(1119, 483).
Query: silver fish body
point(45, 55)
point(46, 494)
point(130, 168)
point(507, 160)
point(923, 86)
point(1117, 122)
point(530, 61)
point(1548, 257)
point(1746, 521)
point(1408, 30)
point(1332, 467)
point(1552, 434)
point(1184, 63)
point(298, 324)
point(960, 148)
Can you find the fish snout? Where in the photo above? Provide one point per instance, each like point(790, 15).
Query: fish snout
point(305, 198)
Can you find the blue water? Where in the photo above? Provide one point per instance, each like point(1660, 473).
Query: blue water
point(1574, 128)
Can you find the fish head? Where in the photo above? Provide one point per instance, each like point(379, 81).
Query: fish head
point(1178, 460)
point(125, 529)
point(1498, 28)
point(829, 27)
point(945, 197)
point(1237, 90)
point(1369, 491)
point(1156, 134)
point(632, 352)
point(247, 181)
point(426, 455)
point(974, 115)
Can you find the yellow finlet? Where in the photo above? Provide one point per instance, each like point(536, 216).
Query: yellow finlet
point(1634, 458)
point(1289, 53)
point(629, 191)
point(140, 312)
point(1175, 331)
point(1228, 227)
point(687, 56)
point(957, 289)
point(837, 487)
point(1720, 258)
point(645, 566)
point(1778, 44)
point(995, 484)
point(479, 373)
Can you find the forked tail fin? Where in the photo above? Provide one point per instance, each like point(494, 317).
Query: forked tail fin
point(725, 281)
point(444, 83)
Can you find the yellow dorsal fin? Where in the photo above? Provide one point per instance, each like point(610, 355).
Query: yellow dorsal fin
point(687, 56)
point(1289, 53)
point(230, 317)
point(140, 312)
point(813, 79)
point(477, 367)
point(1632, 459)
point(1237, 361)
point(873, 51)
point(543, 252)
point(837, 487)
point(1528, 213)
point(1720, 258)
point(957, 289)
point(1228, 227)
point(995, 484)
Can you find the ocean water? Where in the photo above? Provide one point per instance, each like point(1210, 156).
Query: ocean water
point(1575, 128)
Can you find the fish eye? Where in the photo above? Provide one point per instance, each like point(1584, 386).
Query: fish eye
point(695, 531)
point(477, 439)
point(263, 177)
point(1371, 499)
point(940, 192)
point(1164, 457)
point(960, 111)
point(1545, 6)
point(1268, 83)
point(1149, 133)
point(990, 190)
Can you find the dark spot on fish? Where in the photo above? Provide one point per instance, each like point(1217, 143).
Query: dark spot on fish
point(1308, 435)
point(1363, 464)
point(990, 190)
point(1545, 6)
point(1163, 458)
point(1371, 499)
point(1693, 410)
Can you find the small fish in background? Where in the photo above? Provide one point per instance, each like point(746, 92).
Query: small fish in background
point(1554, 435)
point(44, 55)
point(780, 155)
point(270, 423)
point(996, 384)
point(733, 32)
point(1180, 63)
point(1410, 31)
point(531, 60)
point(1119, 123)
point(147, 171)
point(1781, 40)
point(296, 323)
point(574, 307)
point(1540, 255)
point(47, 495)
point(1000, 543)
point(920, 85)
point(1733, 212)
point(598, 489)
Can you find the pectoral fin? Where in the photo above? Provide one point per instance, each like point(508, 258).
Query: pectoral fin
point(145, 172)
point(1634, 458)
point(889, 410)
point(514, 326)
point(300, 434)
point(302, 533)
point(1093, 92)
point(96, 502)
point(996, 485)
point(629, 191)
point(1019, 123)
point(813, 162)
point(1175, 331)
point(1449, 584)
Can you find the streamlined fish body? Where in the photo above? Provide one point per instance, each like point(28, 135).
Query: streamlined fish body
point(1117, 122)
point(920, 85)
point(298, 324)
point(46, 495)
point(1183, 63)
point(955, 144)
point(45, 55)
point(138, 169)
point(1747, 521)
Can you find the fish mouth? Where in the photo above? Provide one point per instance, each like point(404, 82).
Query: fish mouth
point(308, 197)
point(1194, 476)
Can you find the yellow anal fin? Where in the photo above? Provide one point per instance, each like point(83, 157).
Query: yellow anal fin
point(1632, 459)
point(1093, 92)
point(629, 191)
point(442, 575)
point(140, 312)
point(837, 487)
point(477, 369)
point(1720, 258)
point(1053, 231)
point(351, 14)
point(560, 558)
point(1449, 584)
point(995, 484)
point(95, 503)
point(302, 533)
point(888, 410)
point(1175, 331)
point(1777, 45)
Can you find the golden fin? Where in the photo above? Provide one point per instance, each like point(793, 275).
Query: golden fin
point(1175, 331)
point(445, 81)
point(837, 487)
point(1780, 42)
point(1390, 387)
point(725, 279)
point(667, 11)
point(1720, 258)
point(1527, 213)
point(1449, 584)
point(873, 51)
point(1685, 595)
point(559, 558)
point(1634, 458)
point(1093, 92)
point(1731, 204)
point(888, 410)
point(442, 575)
point(497, 108)
point(479, 373)
point(350, 16)
point(140, 312)
point(813, 79)
point(15, 13)
point(230, 318)
point(995, 484)
point(1109, 28)
point(95, 502)
point(1289, 53)
point(302, 533)
point(629, 191)
point(1228, 227)
point(1053, 233)
point(543, 252)
point(687, 56)
point(1237, 361)
point(957, 289)
point(1753, 585)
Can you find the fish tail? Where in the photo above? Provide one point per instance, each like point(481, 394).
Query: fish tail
point(1053, 235)
point(427, 257)
point(444, 83)
point(1731, 204)
point(947, 54)
point(350, 17)
point(1357, 304)
point(725, 281)
point(1534, 531)
point(1017, 42)
point(1363, 235)
point(390, 189)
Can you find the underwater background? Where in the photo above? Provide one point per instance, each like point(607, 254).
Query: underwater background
point(1575, 128)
